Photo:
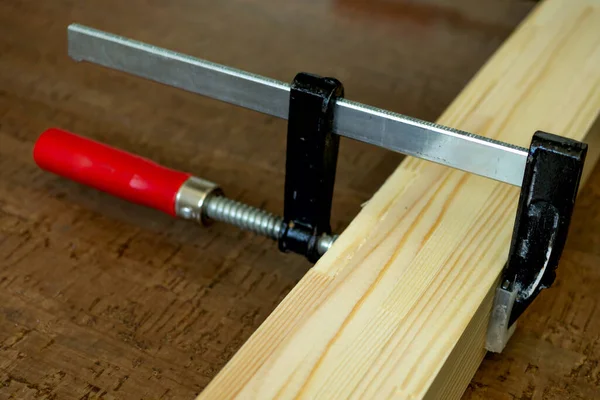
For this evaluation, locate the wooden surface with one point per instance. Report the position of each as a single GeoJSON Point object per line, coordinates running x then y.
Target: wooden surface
{"type": "Point", "coordinates": [399, 307]}
{"type": "Point", "coordinates": [101, 299]}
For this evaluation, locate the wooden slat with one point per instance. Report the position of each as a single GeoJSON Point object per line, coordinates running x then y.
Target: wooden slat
{"type": "Point", "coordinates": [399, 307]}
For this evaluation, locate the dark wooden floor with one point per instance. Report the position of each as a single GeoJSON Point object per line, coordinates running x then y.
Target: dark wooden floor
{"type": "Point", "coordinates": [102, 299]}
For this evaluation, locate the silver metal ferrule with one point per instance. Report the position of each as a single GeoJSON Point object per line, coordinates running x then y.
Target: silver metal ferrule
{"type": "Point", "coordinates": [192, 196]}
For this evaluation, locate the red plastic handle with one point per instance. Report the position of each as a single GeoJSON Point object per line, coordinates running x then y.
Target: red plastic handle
{"type": "Point", "coordinates": [111, 170]}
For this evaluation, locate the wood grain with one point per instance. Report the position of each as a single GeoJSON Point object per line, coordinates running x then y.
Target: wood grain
{"type": "Point", "coordinates": [398, 308]}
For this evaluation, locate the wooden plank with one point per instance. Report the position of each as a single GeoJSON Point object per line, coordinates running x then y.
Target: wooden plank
{"type": "Point", "coordinates": [399, 307]}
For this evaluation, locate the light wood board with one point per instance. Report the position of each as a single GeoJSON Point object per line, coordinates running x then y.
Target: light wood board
{"type": "Point", "coordinates": [398, 307]}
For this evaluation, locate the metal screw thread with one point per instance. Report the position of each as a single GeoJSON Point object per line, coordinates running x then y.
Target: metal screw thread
{"type": "Point", "coordinates": [250, 218]}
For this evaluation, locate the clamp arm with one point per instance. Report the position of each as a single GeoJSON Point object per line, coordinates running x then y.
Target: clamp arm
{"type": "Point", "coordinates": [550, 185]}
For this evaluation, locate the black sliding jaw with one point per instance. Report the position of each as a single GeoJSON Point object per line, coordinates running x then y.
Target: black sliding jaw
{"type": "Point", "coordinates": [550, 184]}
{"type": "Point", "coordinates": [311, 158]}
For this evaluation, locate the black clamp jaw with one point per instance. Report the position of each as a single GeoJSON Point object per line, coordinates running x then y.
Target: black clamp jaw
{"type": "Point", "coordinates": [311, 160]}
{"type": "Point", "coordinates": [550, 185]}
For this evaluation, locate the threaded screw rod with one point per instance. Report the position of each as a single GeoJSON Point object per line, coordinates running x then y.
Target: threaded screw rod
{"type": "Point", "coordinates": [244, 216]}
{"type": "Point", "coordinates": [203, 201]}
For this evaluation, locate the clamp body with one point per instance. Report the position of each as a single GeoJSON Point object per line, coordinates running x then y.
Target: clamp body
{"type": "Point", "coordinates": [548, 172]}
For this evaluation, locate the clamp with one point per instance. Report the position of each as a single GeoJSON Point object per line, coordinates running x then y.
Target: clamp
{"type": "Point", "coordinates": [549, 172]}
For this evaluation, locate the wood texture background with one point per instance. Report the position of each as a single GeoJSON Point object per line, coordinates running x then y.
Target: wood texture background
{"type": "Point", "coordinates": [102, 299]}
